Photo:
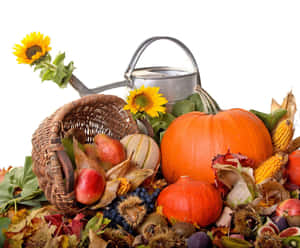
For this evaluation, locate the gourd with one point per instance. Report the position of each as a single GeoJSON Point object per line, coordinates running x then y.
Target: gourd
{"type": "Point", "coordinates": [146, 153]}
{"type": "Point", "coordinates": [194, 139]}
{"type": "Point", "coordinates": [192, 201]}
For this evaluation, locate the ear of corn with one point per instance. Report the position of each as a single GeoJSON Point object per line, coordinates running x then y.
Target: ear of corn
{"type": "Point", "coordinates": [270, 167]}
{"type": "Point", "coordinates": [282, 135]}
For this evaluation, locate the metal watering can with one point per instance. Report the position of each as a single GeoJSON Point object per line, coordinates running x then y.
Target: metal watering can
{"type": "Point", "coordinates": [175, 84]}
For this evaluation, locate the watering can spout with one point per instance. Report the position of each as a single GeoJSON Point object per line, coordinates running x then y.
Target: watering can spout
{"type": "Point", "coordinates": [174, 83]}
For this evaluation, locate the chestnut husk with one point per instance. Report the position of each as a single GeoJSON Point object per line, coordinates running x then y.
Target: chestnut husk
{"type": "Point", "coordinates": [246, 222]}
{"type": "Point", "coordinates": [132, 210]}
{"type": "Point", "coordinates": [153, 224]}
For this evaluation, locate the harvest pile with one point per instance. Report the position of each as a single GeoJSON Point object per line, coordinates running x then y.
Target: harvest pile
{"type": "Point", "coordinates": [205, 178]}
{"type": "Point", "coordinates": [226, 199]}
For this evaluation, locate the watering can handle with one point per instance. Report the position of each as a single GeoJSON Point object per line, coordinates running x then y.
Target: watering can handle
{"type": "Point", "coordinates": [83, 90]}
{"type": "Point", "coordinates": [146, 43]}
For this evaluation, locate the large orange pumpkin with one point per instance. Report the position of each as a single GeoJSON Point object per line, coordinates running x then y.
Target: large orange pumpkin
{"type": "Point", "coordinates": [192, 140]}
{"type": "Point", "coordinates": [191, 201]}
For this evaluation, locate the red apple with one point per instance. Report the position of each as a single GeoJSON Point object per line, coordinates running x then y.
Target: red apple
{"type": "Point", "coordinates": [89, 186]}
{"type": "Point", "coordinates": [109, 150]}
{"type": "Point", "coordinates": [293, 168]}
{"type": "Point", "coordinates": [290, 208]}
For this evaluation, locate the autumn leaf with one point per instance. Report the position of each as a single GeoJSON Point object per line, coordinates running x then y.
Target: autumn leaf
{"type": "Point", "coordinates": [41, 237]}
{"type": "Point", "coordinates": [64, 227]}
{"type": "Point", "coordinates": [25, 224]}
{"type": "Point", "coordinates": [63, 241]}
{"type": "Point", "coordinates": [97, 224]}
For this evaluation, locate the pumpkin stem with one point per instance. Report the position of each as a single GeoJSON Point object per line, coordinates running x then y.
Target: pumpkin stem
{"type": "Point", "coordinates": [209, 104]}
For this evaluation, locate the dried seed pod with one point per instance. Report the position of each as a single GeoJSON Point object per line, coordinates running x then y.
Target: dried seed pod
{"type": "Point", "coordinates": [132, 210]}
{"type": "Point", "coordinates": [270, 167]}
{"type": "Point", "coordinates": [282, 135]}
{"type": "Point", "coordinates": [246, 222]}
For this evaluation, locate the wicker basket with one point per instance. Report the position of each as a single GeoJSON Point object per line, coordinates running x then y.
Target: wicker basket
{"type": "Point", "coordinates": [91, 114]}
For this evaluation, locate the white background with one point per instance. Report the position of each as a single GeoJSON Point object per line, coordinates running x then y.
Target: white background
{"type": "Point", "coordinates": [247, 51]}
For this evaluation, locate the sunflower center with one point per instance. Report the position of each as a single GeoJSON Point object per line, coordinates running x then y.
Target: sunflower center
{"type": "Point", "coordinates": [142, 100]}
{"type": "Point", "coordinates": [31, 51]}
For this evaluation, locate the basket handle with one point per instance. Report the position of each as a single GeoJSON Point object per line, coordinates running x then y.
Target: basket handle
{"type": "Point", "coordinates": [67, 169]}
{"type": "Point", "coordinates": [139, 51]}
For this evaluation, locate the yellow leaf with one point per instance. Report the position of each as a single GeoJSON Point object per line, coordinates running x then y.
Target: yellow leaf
{"type": "Point", "coordinates": [65, 242]}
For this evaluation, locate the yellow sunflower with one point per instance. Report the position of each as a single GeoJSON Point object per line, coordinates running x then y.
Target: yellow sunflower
{"type": "Point", "coordinates": [34, 46]}
{"type": "Point", "coordinates": [146, 100]}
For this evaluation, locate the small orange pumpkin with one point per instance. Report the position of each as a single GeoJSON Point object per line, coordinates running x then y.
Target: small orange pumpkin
{"type": "Point", "coordinates": [293, 168]}
{"type": "Point", "coordinates": [192, 201]}
{"type": "Point", "coordinates": [194, 139]}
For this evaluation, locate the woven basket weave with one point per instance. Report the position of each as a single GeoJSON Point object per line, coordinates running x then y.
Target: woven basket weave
{"type": "Point", "coordinates": [91, 114]}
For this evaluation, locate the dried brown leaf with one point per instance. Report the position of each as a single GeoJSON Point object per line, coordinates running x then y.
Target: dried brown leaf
{"type": "Point", "coordinates": [41, 237]}
{"type": "Point", "coordinates": [119, 170]}
{"type": "Point", "coordinates": [109, 195]}
{"type": "Point", "coordinates": [63, 241]}
{"type": "Point", "coordinates": [96, 241]}
{"type": "Point", "coordinates": [137, 176]}
{"type": "Point", "coordinates": [274, 105]}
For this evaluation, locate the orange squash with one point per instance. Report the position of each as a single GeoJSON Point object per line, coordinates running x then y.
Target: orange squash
{"type": "Point", "coordinates": [194, 139]}
{"type": "Point", "coordinates": [191, 201]}
{"type": "Point", "coordinates": [293, 168]}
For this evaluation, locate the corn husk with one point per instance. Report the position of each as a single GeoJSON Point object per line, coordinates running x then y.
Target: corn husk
{"type": "Point", "coordinates": [289, 103]}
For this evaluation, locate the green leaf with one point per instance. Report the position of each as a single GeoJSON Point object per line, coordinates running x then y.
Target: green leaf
{"type": "Point", "coordinates": [270, 120]}
{"type": "Point", "coordinates": [4, 223]}
{"type": "Point", "coordinates": [6, 189]}
{"type": "Point", "coordinates": [69, 71]}
{"type": "Point", "coordinates": [161, 135]}
{"type": "Point", "coordinates": [39, 66]}
{"type": "Point", "coordinates": [98, 223]}
{"type": "Point", "coordinates": [59, 75]}
{"type": "Point", "coordinates": [59, 59]}
{"type": "Point", "coordinates": [48, 75]}
{"type": "Point", "coordinates": [24, 179]}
